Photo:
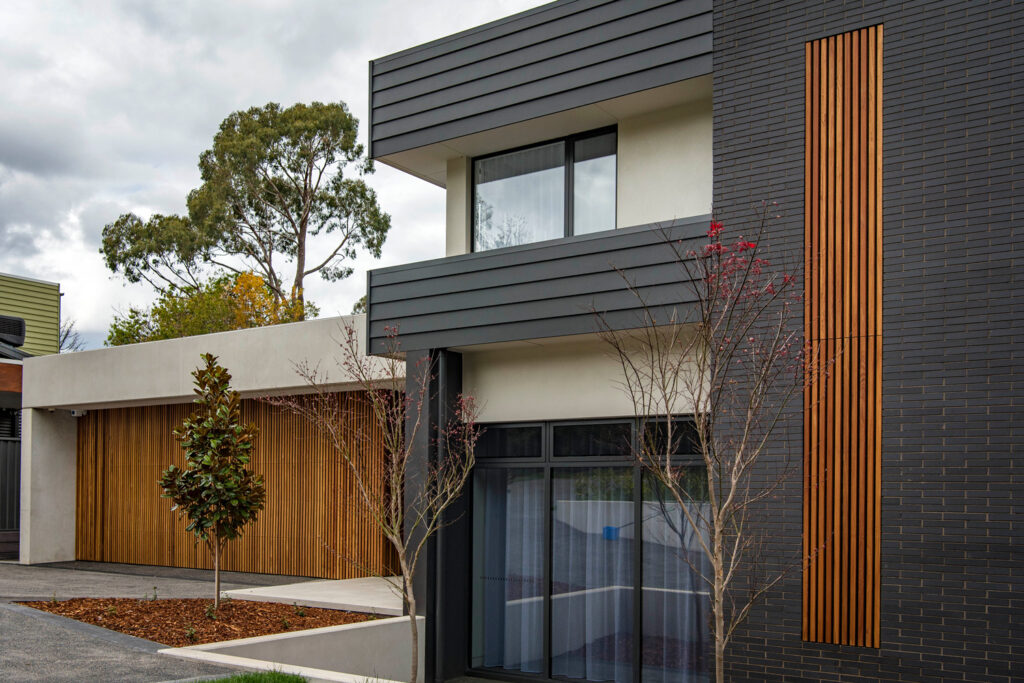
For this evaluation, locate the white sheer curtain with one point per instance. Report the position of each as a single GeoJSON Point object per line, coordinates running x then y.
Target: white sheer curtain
{"type": "Point", "coordinates": [675, 599]}
{"type": "Point", "coordinates": [594, 533]}
{"type": "Point", "coordinates": [509, 520]}
{"type": "Point", "coordinates": [519, 197]}
{"type": "Point", "coordinates": [592, 574]}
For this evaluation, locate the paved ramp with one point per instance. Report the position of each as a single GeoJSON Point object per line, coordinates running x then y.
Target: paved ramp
{"type": "Point", "coordinates": [373, 595]}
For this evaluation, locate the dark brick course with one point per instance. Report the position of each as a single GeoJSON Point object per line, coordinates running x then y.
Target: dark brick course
{"type": "Point", "coordinates": [953, 322]}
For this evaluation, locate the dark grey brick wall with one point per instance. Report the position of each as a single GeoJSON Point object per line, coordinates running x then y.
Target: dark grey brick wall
{"type": "Point", "coordinates": [953, 322]}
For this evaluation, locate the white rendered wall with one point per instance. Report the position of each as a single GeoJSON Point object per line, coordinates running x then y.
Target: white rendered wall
{"type": "Point", "coordinates": [48, 473]}
{"type": "Point", "coordinates": [664, 165]}
{"type": "Point", "coordinates": [457, 207]}
{"type": "Point", "coordinates": [558, 379]}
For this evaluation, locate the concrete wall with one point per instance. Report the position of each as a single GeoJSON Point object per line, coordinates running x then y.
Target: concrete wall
{"type": "Point", "coordinates": [260, 361]}
{"type": "Point", "coordinates": [552, 379]}
{"type": "Point", "coordinates": [375, 649]}
{"type": "Point", "coordinates": [664, 165]}
{"type": "Point", "coordinates": [48, 472]}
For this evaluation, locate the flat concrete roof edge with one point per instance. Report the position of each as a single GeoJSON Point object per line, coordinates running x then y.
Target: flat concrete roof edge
{"type": "Point", "coordinates": [262, 361]}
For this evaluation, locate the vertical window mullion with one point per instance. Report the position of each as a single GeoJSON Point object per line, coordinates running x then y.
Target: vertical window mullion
{"type": "Point", "coordinates": [548, 504]}
{"type": "Point", "coordinates": [569, 163]}
{"type": "Point", "coordinates": [638, 593]}
{"type": "Point", "coordinates": [472, 205]}
{"type": "Point", "coordinates": [638, 565]}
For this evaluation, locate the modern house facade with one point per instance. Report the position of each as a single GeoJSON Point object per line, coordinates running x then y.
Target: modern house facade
{"type": "Point", "coordinates": [98, 434]}
{"type": "Point", "coordinates": [571, 140]}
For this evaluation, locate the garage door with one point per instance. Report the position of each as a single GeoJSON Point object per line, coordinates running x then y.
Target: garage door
{"type": "Point", "coordinates": [313, 523]}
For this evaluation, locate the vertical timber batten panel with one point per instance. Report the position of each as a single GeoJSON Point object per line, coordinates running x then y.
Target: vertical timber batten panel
{"type": "Point", "coordinates": [843, 325]}
{"type": "Point", "coordinates": [313, 523]}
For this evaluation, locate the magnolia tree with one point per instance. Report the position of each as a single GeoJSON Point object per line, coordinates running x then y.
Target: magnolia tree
{"type": "Point", "coordinates": [405, 500]}
{"type": "Point", "coordinates": [736, 362]}
{"type": "Point", "coordinates": [215, 492]}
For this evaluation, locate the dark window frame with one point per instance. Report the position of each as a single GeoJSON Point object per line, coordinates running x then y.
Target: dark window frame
{"type": "Point", "coordinates": [548, 463]}
{"type": "Point", "coordinates": [489, 460]}
{"type": "Point", "coordinates": [568, 189]}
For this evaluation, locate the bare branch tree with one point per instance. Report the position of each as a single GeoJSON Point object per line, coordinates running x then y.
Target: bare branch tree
{"type": "Point", "coordinates": [407, 503]}
{"type": "Point", "coordinates": [69, 338]}
{"type": "Point", "coordinates": [736, 359]}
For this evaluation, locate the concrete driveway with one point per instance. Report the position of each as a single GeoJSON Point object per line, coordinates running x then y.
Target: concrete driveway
{"type": "Point", "coordinates": [38, 646]}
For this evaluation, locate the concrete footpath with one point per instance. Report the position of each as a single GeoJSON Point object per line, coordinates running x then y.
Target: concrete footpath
{"type": "Point", "coordinates": [38, 646]}
{"type": "Point", "coordinates": [101, 580]}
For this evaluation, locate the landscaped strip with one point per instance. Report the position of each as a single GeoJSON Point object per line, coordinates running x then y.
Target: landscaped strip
{"type": "Point", "coordinates": [193, 621]}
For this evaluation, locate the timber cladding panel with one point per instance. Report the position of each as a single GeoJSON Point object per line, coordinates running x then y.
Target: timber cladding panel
{"type": "Point", "coordinates": [843, 323]}
{"type": "Point", "coordinates": [313, 523]}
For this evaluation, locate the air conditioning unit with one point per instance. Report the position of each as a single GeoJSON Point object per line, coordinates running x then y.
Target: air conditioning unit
{"type": "Point", "coordinates": [12, 330]}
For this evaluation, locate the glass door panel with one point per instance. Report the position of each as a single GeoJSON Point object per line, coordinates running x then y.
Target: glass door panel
{"type": "Point", "coordinates": [676, 608]}
{"type": "Point", "coordinates": [592, 573]}
{"type": "Point", "coordinates": [508, 569]}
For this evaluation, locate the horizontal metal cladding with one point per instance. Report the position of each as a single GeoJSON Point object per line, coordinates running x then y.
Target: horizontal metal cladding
{"type": "Point", "coordinates": [547, 289]}
{"type": "Point", "coordinates": [546, 60]}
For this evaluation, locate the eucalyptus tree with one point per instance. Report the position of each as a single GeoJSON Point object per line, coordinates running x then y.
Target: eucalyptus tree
{"type": "Point", "coordinates": [283, 195]}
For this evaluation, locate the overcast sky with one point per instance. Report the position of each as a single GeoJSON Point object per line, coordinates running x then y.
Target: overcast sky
{"type": "Point", "coordinates": [106, 106]}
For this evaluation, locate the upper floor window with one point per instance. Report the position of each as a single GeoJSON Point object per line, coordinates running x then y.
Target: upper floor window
{"type": "Point", "coordinates": [554, 189]}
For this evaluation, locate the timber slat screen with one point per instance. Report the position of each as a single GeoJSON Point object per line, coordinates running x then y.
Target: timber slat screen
{"type": "Point", "coordinates": [843, 323]}
{"type": "Point", "coordinates": [313, 523]}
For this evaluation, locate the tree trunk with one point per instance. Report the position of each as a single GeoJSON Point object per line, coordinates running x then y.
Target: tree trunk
{"type": "Point", "coordinates": [719, 647]}
{"type": "Point", "coordinates": [719, 605]}
{"type": "Point", "coordinates": [216, 574]}
{"type": "Point", "coordinates": [300, 270]}
{"type": "Point", "coordinates": [414, 631]}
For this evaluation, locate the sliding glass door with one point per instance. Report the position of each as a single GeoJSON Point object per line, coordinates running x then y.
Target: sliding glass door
{"type": "Point", "coordinates": [592, 573]}
{"type": "Point", "coordinates": [508, 565]}
{"type": "Point", "coordinates": [582, 569]}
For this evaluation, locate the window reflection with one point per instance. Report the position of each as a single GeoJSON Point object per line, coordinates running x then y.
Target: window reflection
{"type": "Point", "coordinates": [519, 197]}
{"type": "Point", "coordinates": [579, 544]}
{"type": "Point", "coordinates": [592, 574]}
{"type": "Point", "coordinates": [508, 569]}
{"type": "Point", "coordinates": [594, 184]}
{"type": "Point", "coordinates": [675, 608]}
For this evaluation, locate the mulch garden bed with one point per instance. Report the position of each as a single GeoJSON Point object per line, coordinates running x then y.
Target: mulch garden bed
{"type": "Point", "coordinates": [182, 622]}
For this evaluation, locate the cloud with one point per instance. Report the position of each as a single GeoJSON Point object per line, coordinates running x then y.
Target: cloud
{"type": "Point", "coordinates": [106, 107]}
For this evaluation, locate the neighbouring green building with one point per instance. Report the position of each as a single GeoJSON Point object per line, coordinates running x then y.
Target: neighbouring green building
{"type": "Point", "coordinates": [38, 302]}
